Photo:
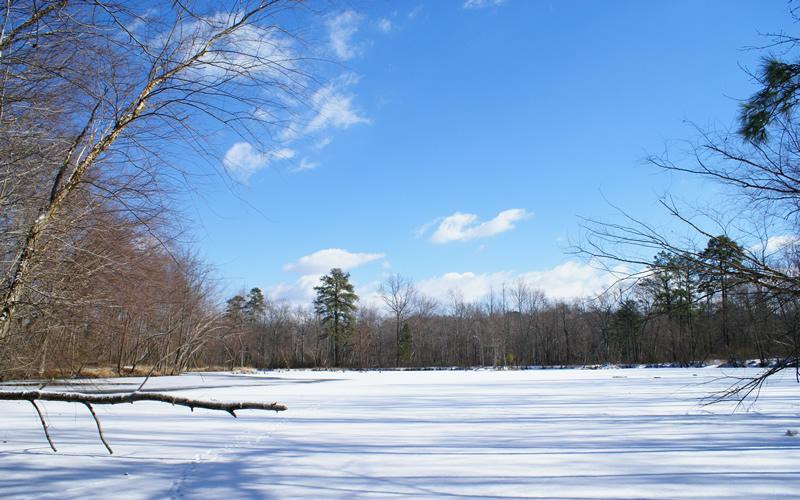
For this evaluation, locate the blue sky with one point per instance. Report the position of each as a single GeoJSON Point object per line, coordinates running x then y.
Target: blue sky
{"type": "Point", "coordinates": [459, 143]}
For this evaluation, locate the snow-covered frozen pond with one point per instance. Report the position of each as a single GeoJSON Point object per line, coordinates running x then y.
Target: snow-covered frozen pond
{"type": "Point", "coordinates": [632, 433]}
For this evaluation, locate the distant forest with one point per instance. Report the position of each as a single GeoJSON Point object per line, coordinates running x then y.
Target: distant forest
{"type": "Point", "coordinates": [161, 314]}
{"type": "Point", "coordinates": [675, 313]}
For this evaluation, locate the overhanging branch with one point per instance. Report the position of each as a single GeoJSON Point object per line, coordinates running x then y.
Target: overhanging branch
{"type": "Point", "coordinates": [113, 399]}
{"type": "Point", "coordinates": [103, 399]}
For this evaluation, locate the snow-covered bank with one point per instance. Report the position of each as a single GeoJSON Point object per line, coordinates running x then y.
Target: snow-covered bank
{"type": "Point", "coordinates": [632, 433]}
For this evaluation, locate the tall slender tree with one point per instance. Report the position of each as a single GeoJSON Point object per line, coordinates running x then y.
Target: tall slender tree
{"type": "Point", "coordinates": [397, 293]}
{"type": "Point", "coordinates": [723, 258]}
{"type": "Point", "coordinates": [336, 306]}
{"type": "Point", "coordinates": [256, 305]}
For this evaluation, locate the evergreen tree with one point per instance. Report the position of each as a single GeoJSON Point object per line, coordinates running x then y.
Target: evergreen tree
{"type": "Point", "coordinates": [776, 99]}
{"type": "Point", "coordinates": [256, 305]}
{"type": "Point", "coordinates": [673, 286]}
{"type": "Point", "coordinates": [234, 308]}
{"type": "Point", "coordinates": [723, 261]}
{"type": "Point", "coordinates": [625, 325]}
{"type": "Point", "coordinates": [336, 305]}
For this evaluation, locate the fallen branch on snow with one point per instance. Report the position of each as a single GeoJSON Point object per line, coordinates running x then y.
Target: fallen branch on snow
{"type": "Point", "coordinates": [94, 399]}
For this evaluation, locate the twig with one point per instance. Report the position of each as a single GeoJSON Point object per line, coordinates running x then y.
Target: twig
{"type": "Point", "coordinates": [44, 425]}
{"type": "Point", "coordinates": [99, 428]}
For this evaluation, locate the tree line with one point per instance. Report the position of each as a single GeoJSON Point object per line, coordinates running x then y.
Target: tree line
{"type": "Point", "coordinates": [170, 321]}
{"type": "Point", "coordinates": [677, 312]}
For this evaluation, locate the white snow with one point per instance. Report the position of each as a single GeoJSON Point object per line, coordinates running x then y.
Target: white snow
{"type": "Point", "coordinates": [626, 433]}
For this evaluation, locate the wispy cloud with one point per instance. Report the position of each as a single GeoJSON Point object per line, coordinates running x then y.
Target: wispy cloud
{"type": "Point", "coordinates": [322, 143]}
{"type": "Point", "coordinates": [570, 280]}
{"type": "Point", "coordinates": [299, 292]}
{"type": "Point", "coordinates": [384, 25]}
{"type": "Point", "coordinates": [242, 160]}
{"type": "Point", "coordinates": [264, 51]}
{"type": "Point", "coordinates": [327, 107]}
{"type": "Point", "coordinates": [282, 154]}
{"type": "Point", "coordinates": [775, 244]}
{"type": "Point", "coordinates": [304, 165]}
{"type": "Point", "coordinates": [464, 227]}
{"type": "Point", "coordinates": [323, 261]}
{"type": "Point", "coordinates": [334, 109]}
{"type": "Point", "coordinates": [422, 230]}
{"type": "Point", "coordinates": [482, 4]}
{"type": "Point", "coordinates": [341, 29]}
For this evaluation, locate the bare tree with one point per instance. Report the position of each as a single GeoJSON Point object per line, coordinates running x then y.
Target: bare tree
{"type": "Point", "coordinates": [99, 96]}
{"type": "Point", "coordinates": [397, 293]}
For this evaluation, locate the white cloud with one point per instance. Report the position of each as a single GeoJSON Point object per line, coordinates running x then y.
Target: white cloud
{"type": "Point", "coordinates": [384, 25]}
{"type": "Point", "coordinates": [242, 159]}
{"type": "Point", "coordinates": [415, 12]}
{"type": "Point", "coordinates": [341, 29]}
{"type": "Point", "coordinates": [322, 143]}
{"type": "Point", "coordinates": [369, 295]}
{"type": "Point", "coordinates": [573, 279]}
{"type": "Point", "coordinates": [570, 280]}
{"type": "Point", "coordinates": [420, 231]}
{"type": "Point", "coordinates": [282, 154]}
{"type": "Point", "coordinates": [301, 292]}
{"type": "Point", "coordinates": [777, 243]}
{"type": "Point", "coordinates": [482, 4]}
{"type": "Point", "coordinates": [330, 107]}
{"type": "Point", "coordinates": [253, 50]}
{"type": "Point", "coordinates": [334, 108]}
{"type": "Point", "coordinates": [313, 266]}
{"type": "Point", "coordinates": [323, 261]}
{"type": "Point", "coordinates": [567, 281]}
{"type": "Point", "coordinates": [465, 227]}
{"type": "Point", "coordinates": [305, 165]}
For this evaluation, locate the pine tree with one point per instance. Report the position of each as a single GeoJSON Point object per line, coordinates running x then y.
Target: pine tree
{"type": "Point", "coordinates": [723, 258]}
{"type": "Point", "coordinates": [256, 305]}
{"type": "Point", "coordinates": [674, 286]}
{"type": "Point", "coordinates": [626, 325]}
{"type": "Point", "coordinates": [336, 306]}
{"type": "Point", "coordinates": [234, 308]}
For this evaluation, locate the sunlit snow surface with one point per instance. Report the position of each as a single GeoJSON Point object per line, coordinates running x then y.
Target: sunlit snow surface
{"type": "Point", "coordinates": [617, 433]}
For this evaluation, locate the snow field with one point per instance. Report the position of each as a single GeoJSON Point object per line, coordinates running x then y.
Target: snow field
{"type": "Point", "coordinates": [619, 433]}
